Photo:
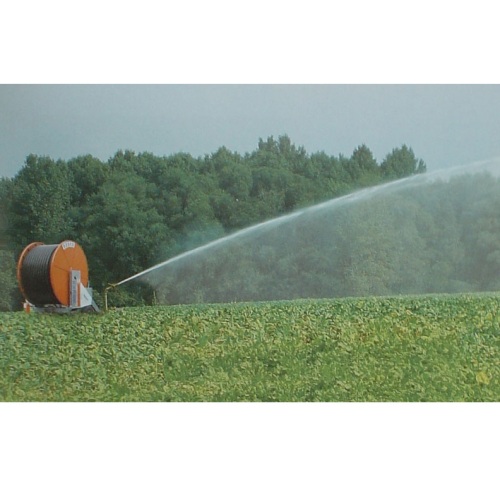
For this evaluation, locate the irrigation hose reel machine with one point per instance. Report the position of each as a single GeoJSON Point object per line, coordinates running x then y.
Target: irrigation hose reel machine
{"type": "Point", "coordinates": [55, 278]}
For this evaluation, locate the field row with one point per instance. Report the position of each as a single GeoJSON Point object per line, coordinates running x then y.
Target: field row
{"type": "Point", "coordinates": [431, 348]}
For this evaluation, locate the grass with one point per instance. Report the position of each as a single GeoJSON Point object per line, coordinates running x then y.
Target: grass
{"type": "Point", "coordinates": [424, 348]}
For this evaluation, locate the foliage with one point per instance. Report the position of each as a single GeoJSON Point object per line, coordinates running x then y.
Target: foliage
{"type": "Point", "coordinates": [427, 348]}
{"type": "Point", "coordinates": [136, 209]}
{"type": "Point", "coordinates": [401, 162]}
{"type": "Point", "coordinates": [129, 227]}
{"type": "Point", "coordinates": [39, 203]}
{"type": "Point", "coordinates": [5, 185]}
{"type": "Point", "coordinates": [9, 294]}
{"type": "Point", "coordinates": [406, 238]}
{"type": "Point", "coordinates": [8, 285]}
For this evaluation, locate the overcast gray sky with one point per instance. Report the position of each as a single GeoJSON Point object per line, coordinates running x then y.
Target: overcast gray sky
{"type": "Point", "coordinates": [444, 124]}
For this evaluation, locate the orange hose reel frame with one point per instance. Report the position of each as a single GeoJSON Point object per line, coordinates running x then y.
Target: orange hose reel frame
{"type": "Point", "coordinates": [66, 257]}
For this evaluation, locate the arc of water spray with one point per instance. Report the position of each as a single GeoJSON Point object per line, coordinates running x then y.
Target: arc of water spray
{"type": "Point", "coordinates": [357, 195]}
{"type": "Point", "coordinates": [211, 244]}
{"type": "Point", "coordinates": [270, 223]}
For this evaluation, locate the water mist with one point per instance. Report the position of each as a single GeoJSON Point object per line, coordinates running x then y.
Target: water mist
{"type": "Point", "coordinates": [435, 232]}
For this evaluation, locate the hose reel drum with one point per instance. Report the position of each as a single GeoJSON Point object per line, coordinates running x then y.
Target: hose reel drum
{"type": "Point", "coordinates": [54, 278]}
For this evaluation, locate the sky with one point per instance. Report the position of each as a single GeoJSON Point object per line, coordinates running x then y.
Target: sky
{"type": "Point", "coordinates": [446, 125]}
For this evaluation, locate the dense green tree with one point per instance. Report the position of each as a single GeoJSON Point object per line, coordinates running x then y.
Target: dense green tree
{"type": "Point", "coordinates": [401, 162]}
{"type": "Point", "coordinates": [39, 202]}
{"type": "Point", "coordinates": [366, 249]}
{"type": "Point", "coordinates": [363, 167]}
{"type": "Point", "coordinates": [5, 185]}
{"type": "Point", "coordinates": [122, 230]}
{"type": "Point", "coordinates": [86, 176]}
{"type": "Point", "coordinates": [184, 198]}
{"type": "Point", "coordinates": [233, 175]}
{"type": "Point", "coordinates": [136, 210]}
{"type": "Point", "coordinates": [481, 235]}
{"type": "Point", "coordinates": [8, 284]}
{"type": "Point", "coordinates": [331, 173]}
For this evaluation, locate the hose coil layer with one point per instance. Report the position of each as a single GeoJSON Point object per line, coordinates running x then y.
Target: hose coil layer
{"type": "Point", "coordinates": [35, 275]}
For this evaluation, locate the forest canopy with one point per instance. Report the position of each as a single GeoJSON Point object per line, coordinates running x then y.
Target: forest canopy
{"type": "Point", "coordinates": [136, 210]}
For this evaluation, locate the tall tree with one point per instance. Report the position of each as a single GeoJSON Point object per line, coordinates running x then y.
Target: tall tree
{"type": "Point", "coordinates": [9, 294]}
{"type": "Point", "coordinates": [401, 162]}
{"type": "Point", "coordinates": [39, 202]}
{"type": "Point", "coordinates": [363, 167]}
{"type": "Point", "coordinates": [122, 229]}
{"type": "Point", "coordinates": [86, 174]}
{"type": "Point", "coordinates": [138, 209]}
{"type": "Point", "coordinates": [5, 185]}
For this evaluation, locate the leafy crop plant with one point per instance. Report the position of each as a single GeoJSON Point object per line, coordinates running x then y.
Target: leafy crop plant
{"type": "Point", "coordinates": [421, 348]}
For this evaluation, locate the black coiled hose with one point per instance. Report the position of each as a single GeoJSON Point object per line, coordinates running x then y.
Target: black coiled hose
{"type": "Point", "coordinates": [35, 275]}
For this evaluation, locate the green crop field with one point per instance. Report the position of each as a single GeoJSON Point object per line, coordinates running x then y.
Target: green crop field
{"type": "Point", "coordinates": [427, 348]}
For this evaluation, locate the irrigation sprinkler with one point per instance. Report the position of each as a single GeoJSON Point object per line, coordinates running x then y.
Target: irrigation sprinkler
{"type": "Point", "coordinates": [106, 290]}
{"type": "Point", "coordinates": [54, 278]}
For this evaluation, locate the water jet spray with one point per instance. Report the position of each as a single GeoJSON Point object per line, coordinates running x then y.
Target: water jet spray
{"type": "Point", "coordinates": [348, 247]}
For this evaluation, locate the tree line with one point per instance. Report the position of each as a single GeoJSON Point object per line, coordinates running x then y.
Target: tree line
{"type": "Point", "coordinates": [440, 236]}
{"type": "Point", "coordinates": [136, 210]}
